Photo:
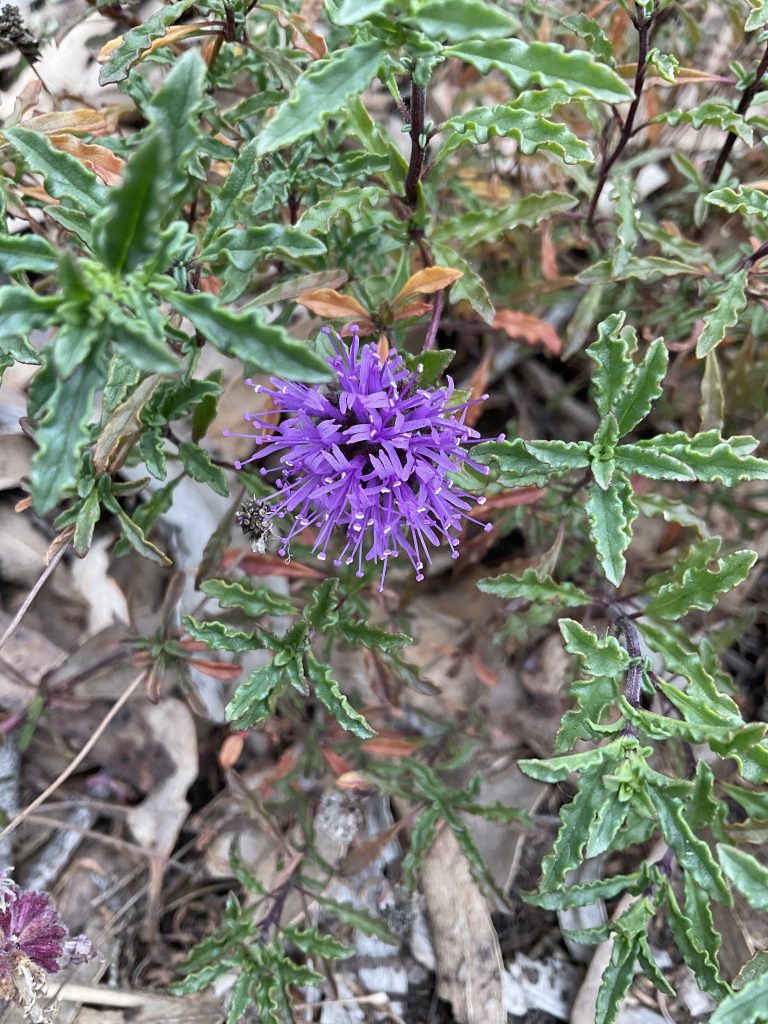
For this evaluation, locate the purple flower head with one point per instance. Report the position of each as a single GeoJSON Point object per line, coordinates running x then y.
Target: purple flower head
{"type": "Point", "coordinates": [371, 454]}
{"type": "Point", "coordinates": [34, 942]}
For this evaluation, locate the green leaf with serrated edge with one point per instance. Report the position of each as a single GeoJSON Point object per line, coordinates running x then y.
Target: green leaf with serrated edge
{"type": "Point", "coordinates": [578, 820]}
{"type": "Point", "coordinates": [134, 339]}
{"type": "Point", "coordinates": [22, 310]}
{"type": "Point", "coordinates": [133, 533]}
{"type": "Point", "coordinates": [531, 131]}
{"type": "Point", "coordinates": [636, 402]}
{"type": "Point", "coordinates": [197, 463]}
{"type": "Point", "coordinates": [732, 301]}
{"type": "Point", "coordinates": [253, 601]}
{"type": "Point", "coordinates": [137, 40]}
{"type": "Point", "coordinates": [309, 940]}
{"type": "Point", "coordinates": [174, 110]}
{"type": "Point", "coordinates": [587, 893]}
{"type": "Point", "coordinates": [545, 64]}
{"type": "Point", "coordinates": [753, 968]}
{"type": "Point", "coordinates": [628, 215]}
{"type": "Point", "coordinates": [251, 702]}
{"type": "Point", "coordinates": [501, 814]}
{"type": "Point", "coordinates": [241, 998]}
{"type": "Point", "coordinates": [319, 93]}
{"type": "Point", "coordinates": [695, 948]}
{"type": "Point", "coordinates": [711, 112]}
{"type": "Point", "coordinates": [747, 873]}
{"type": "Point", "coordinates": [350, 203]}
{"type": "Point", "coordinates": [712, 457]}
{"type": "Point", "coordinates": [470, 286]}
{"type": "Point", "coordinates": [750, 201]}
{"type": "Point", "coordinates": [457, 20]}
{"type": "Point", "coordinates": [87, 517]}
{"type": "Point", "coordinates": [652, 464]}
{"type": "Point", "coordinates": [126, 232]}
{"type": "Point", "coordinates": [422, 837]}
{"type": "Point", "coordinates": [514, 460]}
{"type": "Point", "coordinates": [349, 914]}
{"type": "Point", "coordinates": [651, 969]}
{"type": "Point", "coordinates": [532, 587]}
{"type": "Point", "coordinates": [612, 352]}
{"type": "Point", "coordinates": [754, 804]}
{"type": "Point", "coordinates": [351, 12]}
{"type": "Point", "coordinates": [557, 769]}
{"type": "Point", "coordinates": [694, 854]}
{"type": "Point", "coordinates": [588, 29]}
{"type": "Point", "coordinates": [220, 637]}
{"type": "Point", "coordinates": [62, 435]}
{"type": "Point", "coordinates": [29, 253]}
{"type": "Point", "coordinates": [599, 655]}
{"type": "Point", "coordinates": [602, 451]}
{"type": "Point", "coordinates": [247, 247]}
{"type": "Point", "coordinates": [594, 697]}
{"type": "Point", "coordinates": [244, 335]}
{"type": "Point", "coordinates": [655, 726]}
{"type": "Point", "coordinates": [327, 690]}
{"type": "Point", "coordinates": [322, 611]}
{"type": "Point", "coordinates": [560, 456]}
{"type": "Point", "coordinates": [224, 203]}
{"type": "Point", "coordinates": [645, 268]}
{"type": "Point", "coordinates": [361, 634]}
{"type": "Point", "coordinates": [611, 514]}
{"type": "Point", "coordinates": [747, 1006]}
{"type": "Point", "coordinates": [617, 978]}
{"type": "Point", "coordinates": [606, 826]}
{"type": "Point", "coordinates": [471, 229]}
{"type": "Point", "coordinates": [408, 674]}
{"type": "Point", "coordinates": [699, 587]}
{"type": "Point", "coordinates": [758, 15]}
{"type": "Point", "coordinates": [65, 178]}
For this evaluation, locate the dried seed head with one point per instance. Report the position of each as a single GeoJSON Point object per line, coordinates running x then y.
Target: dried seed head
{"type": "Point", "coordinates": [255, 520]}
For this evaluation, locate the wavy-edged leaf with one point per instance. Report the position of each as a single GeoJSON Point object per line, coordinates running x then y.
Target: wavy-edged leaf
{"type": "Point", "coordinates": [530, 130]}
{"type": "Point", "coordinates": [731, 302]}
{"type": "Point", "coordinates": [476, 228]}
{"type": "Point", "coordinates": [710, 112]}
{"type": "Point", "coordinates": [556, 769]}
{"type": "Point", "coordinates": [245, 336]}
{"type": "Point", "coordinates": [352, 12]}
{"type": "Point", "coordinates": [545, 64]}
{"type": "Point", "coordinates": [220, 637]}
{"type": "Point", "coordinates": [328, 691]}
{"type": "Point", "coordinates": [457, 20]}
{"type": "Point", "coordinates": [364, 635]}
{"type": "Point", "coordinates": [747, 1006]}
{"type": "Point", "coordinates": [599, 655]}
{"type": "Point", "coordinates": [253, 601]}
{"type": "Point", "coordinates": [711, 456]}
{"type": "Point", "coordinates": [63, 433]}
{"type": "Point", "coordinates": [751, 201]}
{"type": "Point", "coordinates": [616, 980]}
{"type": "Point", "coordinates": [747, 873]}
{"type": "Point", "coordinates": [64, 177]}
{"type": "Point", "coordinates": [578, 820]}
{"type": "Point", "coordinates": [612, 352]}
{"type": "Point", "coordinates": [198, 464]}
{"type": "Point", "coordinates": [758, 15]}
{"type": "Point", "coordinates": [587, 893]}
{"type": "Point", "coordinates": [29, 253]}
{"type": "Point", "coordinates": [693, 853]}
{"type": "Point", "coordinates": [697, 947]}
{"type": "Point", "coordinates": [246, 247]}
{"type": "Point", "coordinates": [645, 268]}
{"type": "Point", "coordinates": [695, 585]}
{"type": "Point", "coordinates": [252, 700]}
{"type": "Point", "coordinates": [611, 514]}
{"type": "Point", "coordinates": [635, 403]}
{"type": "Point", "coordinates": [534, 588]}
{"type": "Point", "coordinates": [135, 42]}
{"type": "Point", "coordinates": [319, 93]}
{"type": "Point", "coordinates": [126, 232]}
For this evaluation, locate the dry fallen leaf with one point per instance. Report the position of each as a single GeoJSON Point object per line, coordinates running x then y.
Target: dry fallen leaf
{"type": "Point", "coordinates": [529, 329]}
{"type": "Point", "coordinates": [469, 965]}
{"type": "Point", "coordinates": [102, 161]}
{"type": "Point", "coordinates": [172, 35]}
{"type": "Point", "coordinates": [329, 303]}
{"type": "Point", "coordinates": [427, 281]}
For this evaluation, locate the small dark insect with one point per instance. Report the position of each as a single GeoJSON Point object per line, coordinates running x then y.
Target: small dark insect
{"type": "Point", "coordinates": [255, 520]}
{"type": "Point", "coordinates": [14, 35]}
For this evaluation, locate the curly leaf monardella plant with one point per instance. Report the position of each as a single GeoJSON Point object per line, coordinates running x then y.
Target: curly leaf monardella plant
{"type": "Point", "coordinates": [371, 453]}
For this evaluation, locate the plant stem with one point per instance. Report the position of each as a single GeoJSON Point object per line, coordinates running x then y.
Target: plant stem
{"type": "Point", "coordinates": [643, 25]}
{"type": "Point", "coordinates": [634, 687]}
{"type": "Point", "coordinates": [746, 98]}
{"type": "Point", "coordinates": [418, 152]}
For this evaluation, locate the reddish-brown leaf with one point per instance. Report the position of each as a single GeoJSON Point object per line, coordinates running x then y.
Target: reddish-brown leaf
{"type": "Point", "coordinates": [427, 281]}
{"type": "Point", "coordinates": [528, 328]}
{"type": "Point", "coordinates": [332, 305]}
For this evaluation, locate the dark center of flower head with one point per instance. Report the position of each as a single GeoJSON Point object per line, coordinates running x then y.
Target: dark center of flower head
{"type": "Point", "coordinates": [371, 453]}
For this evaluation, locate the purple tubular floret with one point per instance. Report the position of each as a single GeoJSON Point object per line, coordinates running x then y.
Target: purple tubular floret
{"type": "Point", "coordinates": [368, 455]}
